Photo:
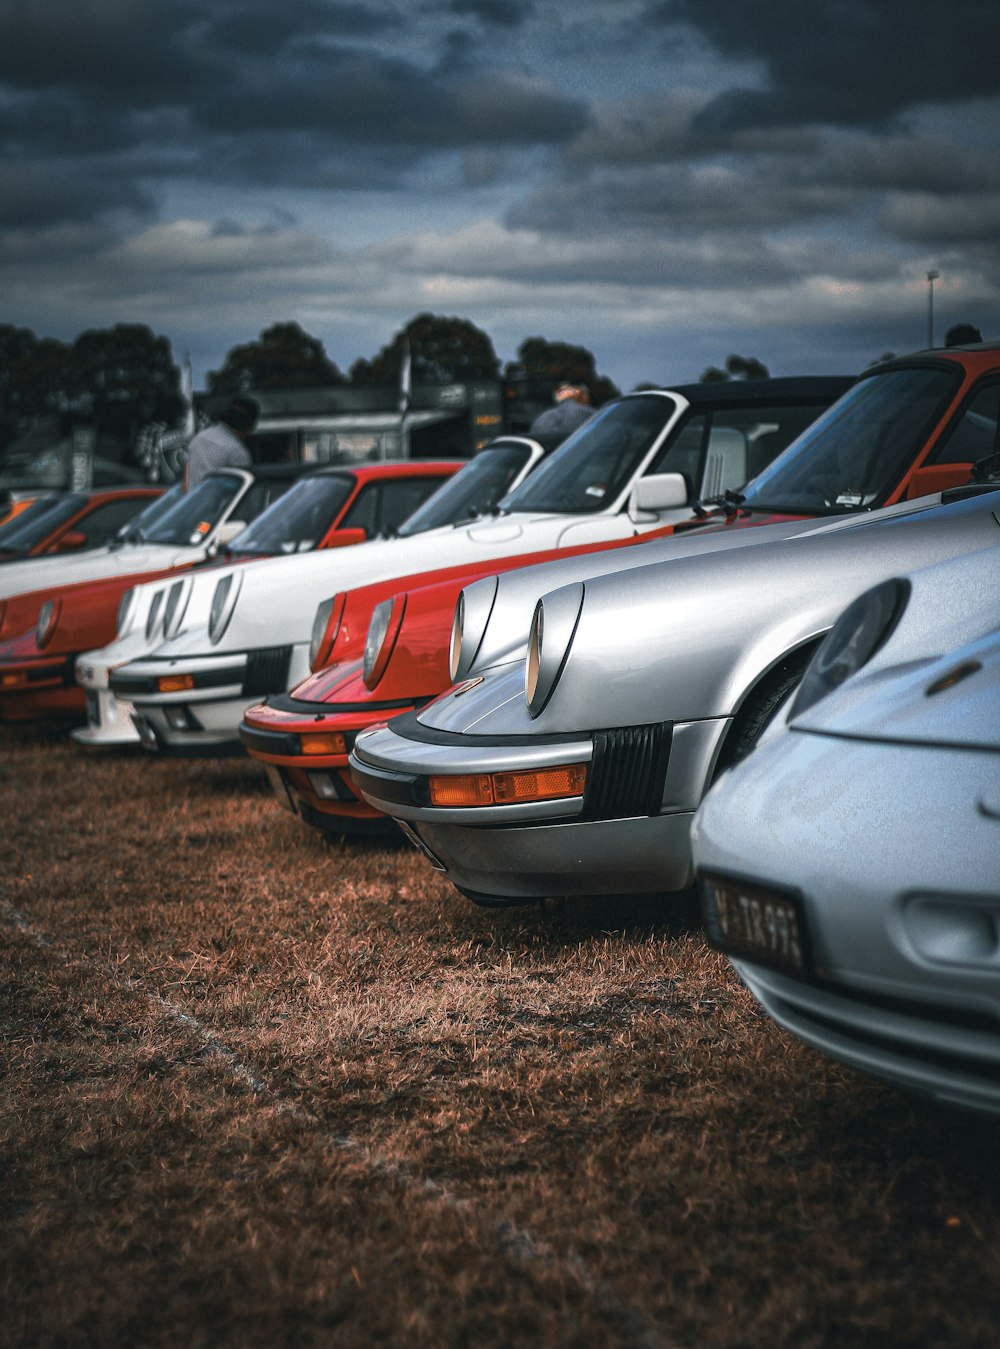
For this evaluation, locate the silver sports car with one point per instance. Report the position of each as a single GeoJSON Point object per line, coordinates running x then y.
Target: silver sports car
{"type": "Point", "coordinates": [851, 866]}
{"type": "Point", "coordinates": [577, 768]}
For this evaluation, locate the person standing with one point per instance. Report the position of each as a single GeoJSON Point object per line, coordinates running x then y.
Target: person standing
{"type": "Point", "coordinates": [224, 444]}
{"type": "Point", "coordinates": [551, 427]}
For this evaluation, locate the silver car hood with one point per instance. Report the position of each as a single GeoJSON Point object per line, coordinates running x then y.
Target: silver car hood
{"type": "Point", "coordinates": [683, 640]}
{"type": "Point", "coordinates": [499, 608]}
{"type": "Point", "coordinates": [951, 624]}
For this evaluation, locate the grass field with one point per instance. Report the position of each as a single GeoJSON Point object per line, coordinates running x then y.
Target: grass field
{"type": "Point", "coordinates": [261, 1090]}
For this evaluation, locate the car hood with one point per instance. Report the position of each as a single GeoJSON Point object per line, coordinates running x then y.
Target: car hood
{"type": "Point", "coordinates": [278, 597]}
{"type": "Point", "coordinates": [683, 640]}
{"type": "Point", "coordinates": [45, 573]}
{"type": "Point", "coordinates": [145, 632]}
{"type": "Point", "coordinates": [935, 680]}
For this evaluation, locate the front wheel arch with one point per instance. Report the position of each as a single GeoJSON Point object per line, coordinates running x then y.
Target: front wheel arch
{"type": "Point", "coordinates": [761, 704]}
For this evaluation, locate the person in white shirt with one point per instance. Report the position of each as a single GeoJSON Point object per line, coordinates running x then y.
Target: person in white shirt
{"type": "Point", "coordinates": [222, 445]}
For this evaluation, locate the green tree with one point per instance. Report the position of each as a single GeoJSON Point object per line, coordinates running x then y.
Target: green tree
{"type": "Point", "coordinates": [124, 377]}
{"type": "Point", "coordinates": [561, 362]}
{"type": "Point", "coordinates": [442, 351]}
{"type": "Point", "coordinates": [737, 367]}
{"type": "Point", "coordinates": [284, 356]}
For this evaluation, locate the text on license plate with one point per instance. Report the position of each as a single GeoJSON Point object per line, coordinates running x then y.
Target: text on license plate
{"type": "Point", "coordinates": [756, 924]}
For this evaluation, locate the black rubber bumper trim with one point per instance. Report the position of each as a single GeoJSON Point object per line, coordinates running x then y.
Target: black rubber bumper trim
{"type": "Point", "coordinates": [284, 702]}
{"type": "Point", "coordinates": [401, 789]}
{"type": "Point", "coordinates": [130, 685]}
{"type": "Point", "coordinates": [411, 728]}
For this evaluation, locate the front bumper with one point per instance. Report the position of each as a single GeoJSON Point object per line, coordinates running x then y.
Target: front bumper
{"type": "Point", "coordinates": [40, 687]}
{"type": "Point", "coordinates": [204, 715]}
{"type": "Point", "coordinates": [109, 718]}
{"type": "Point", "coordinates": [627, 833]}
{"type": "Point", "coordinates": [317, 787]}
{"type": "Point", "coordinates": [894, 851]}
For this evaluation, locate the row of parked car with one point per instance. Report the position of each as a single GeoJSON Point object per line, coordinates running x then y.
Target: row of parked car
{"type": "Point", "coordinates": [745, 633]}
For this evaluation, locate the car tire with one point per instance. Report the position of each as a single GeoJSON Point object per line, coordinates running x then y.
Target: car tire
{"type": "Point", "coordinates": [759, 709]}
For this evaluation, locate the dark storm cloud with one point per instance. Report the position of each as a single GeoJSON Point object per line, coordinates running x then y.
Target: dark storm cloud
{"type": "Point", "coordinates": [264, 28]}
{"type": "Point", "coordinates": [845, 62]}
{"type": "Point", "coordinates": [500, 13]}
{"type": "Point", "coordinates": [35, 196]}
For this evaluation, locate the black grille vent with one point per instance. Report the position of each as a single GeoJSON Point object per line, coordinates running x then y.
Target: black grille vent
{"type": "Point", "coordinates": [627, 772]}
{"type": "Point", "coordinates": [267, 671]}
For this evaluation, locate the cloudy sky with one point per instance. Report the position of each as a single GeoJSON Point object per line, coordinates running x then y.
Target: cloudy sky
{"type": "Point", "coordinates": [663, 181]}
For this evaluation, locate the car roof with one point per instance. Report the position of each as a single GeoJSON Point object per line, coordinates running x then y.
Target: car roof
{"type": "Point", "coordinates": [715, 393]}
{"type": "Point", "coordinates": [390, 468]}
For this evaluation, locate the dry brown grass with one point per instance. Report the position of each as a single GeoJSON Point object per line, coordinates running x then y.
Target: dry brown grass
{"type": "Point", "coordinates": [258, 1090]}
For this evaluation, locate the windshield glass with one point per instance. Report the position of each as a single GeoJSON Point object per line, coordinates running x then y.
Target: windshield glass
{"type": "Point", "coordinates": [593, 467]}
{"type": "Point", "coordinates": [856, 453]}
{"type": "Point", "coordinates": [36, 522]}
{"type": "Point", "coordinates": [193, 515]}
{"type": "Point", "coordinates": [297, 521]}
{"type": "Point", "coordinates": [474, 490]}
{"type": "Point", "coordinates": [134, 530]}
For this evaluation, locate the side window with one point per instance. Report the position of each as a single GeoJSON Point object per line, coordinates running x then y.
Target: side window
{"type": "Point", "coordinates": [682, 453]}
{"type": "Point", "coordinates": [402, 497]}
{"type": "Point", "coordinates": [363, 514]}
{"type": "Point", "coordinates": [104, 522]}
{"type": "Point", "coordinates": [257, 499]}
{"type": "Point", "coordinates": [974, 435]}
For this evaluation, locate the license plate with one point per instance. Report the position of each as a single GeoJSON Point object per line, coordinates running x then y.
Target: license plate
{"type": "Point", "coordinates": [753, 923]}
{"type": "Point", "coordinates": [280, 788]}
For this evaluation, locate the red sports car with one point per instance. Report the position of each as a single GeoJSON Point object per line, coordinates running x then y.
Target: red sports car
{"type": "Point", "coordinates": [44, 631]}
{"type": "Point", "coordinates": [908, 428]}
{"type": "Point", "coordinates": [66, 522]}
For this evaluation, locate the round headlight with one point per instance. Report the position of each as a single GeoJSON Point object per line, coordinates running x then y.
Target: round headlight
{"type": "Point", "coordinates": [455, 642]}
{"type": "Point", "coordinates": [48, 615]}
{"type": "Point", "coordinates": [126, 613]}
{"type": "Point", "coordinates": [472, 616]}
{"type": "Point", "coordinates": [223, 604]}
{"type": "Point", "coordinates": [852, 641]}
{"type": "Point", "coordinates": [324, 631]}
{"type": "Point", "coordinates": [553, 626]}
{"type": "Point", "coordinates": [383, 630]}
{"type": "Point", "coordinates": [153, 617]}
{"type": "Point", "coordinates": [173, 610]}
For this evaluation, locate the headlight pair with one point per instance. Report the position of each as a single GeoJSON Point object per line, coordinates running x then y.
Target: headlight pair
{"type": "Point", "coordinates": [863, 627]}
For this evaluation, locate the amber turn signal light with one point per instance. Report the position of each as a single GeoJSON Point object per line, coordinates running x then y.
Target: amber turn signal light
{"type": "Point", "coordinates": [506, 789]}
{"type": "Point", "coordinates": [322, 742]}
{"type": "Point", "coordinates": [175, 683]}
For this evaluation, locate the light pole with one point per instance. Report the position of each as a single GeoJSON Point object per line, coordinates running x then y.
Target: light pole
{"type": "Point", "coordinates": [932, 276]}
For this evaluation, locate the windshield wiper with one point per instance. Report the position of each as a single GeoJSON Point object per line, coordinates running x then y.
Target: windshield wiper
{"type": "Point", "coordinates": [729, 501]}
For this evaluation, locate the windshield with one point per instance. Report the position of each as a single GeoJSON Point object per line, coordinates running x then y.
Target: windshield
{"type": "Point", "coordinates": [297, 521]}
{"type": "Point", "coordinates": [36, 522]}
{"type": "Point", "coordinates": [856, 453]}
{"type": "Point", "coordinates": [134, 530]}
{"type": "Point", "coordinates": [591, 469]}
{"type": "Point", "coordinates": [474, 490]}
{"type": "Point", "coordinates": [190, 516]}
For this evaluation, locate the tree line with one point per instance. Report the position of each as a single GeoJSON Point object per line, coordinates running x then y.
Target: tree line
{"type": "Point", "coordinates": [123, 378]}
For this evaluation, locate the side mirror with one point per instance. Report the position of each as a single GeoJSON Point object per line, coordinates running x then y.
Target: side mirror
{"type": "Point", "coordinates": [71, 540]}
{"type": "Point", "coordinates": [659, 492]}
{"type": "Point", "coordinates": [343, 538]}
{"type": "Point", "coordinates": [937, 478]}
